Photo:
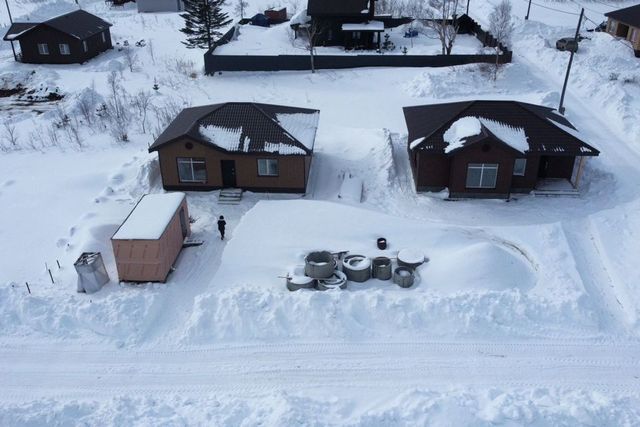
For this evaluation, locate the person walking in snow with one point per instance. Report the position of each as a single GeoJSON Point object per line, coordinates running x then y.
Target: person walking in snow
{"type": "Point", "coordinates": [221, 225]}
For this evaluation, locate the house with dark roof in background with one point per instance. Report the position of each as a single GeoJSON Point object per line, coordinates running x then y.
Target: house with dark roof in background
{"type": "Point", "coordinates": [74, 37]}
{"type": "Point", "coordinates": [348, 23]}
{"type": "Point", "coordinates": [250, 146]}
{"type": "Point", "coordinates": [625, 23]}
{"type": "Point", "coordinates": [490, 149]}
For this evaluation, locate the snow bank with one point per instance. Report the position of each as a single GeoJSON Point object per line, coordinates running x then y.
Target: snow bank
{"type": "Point", "coordinates": [469, 407]}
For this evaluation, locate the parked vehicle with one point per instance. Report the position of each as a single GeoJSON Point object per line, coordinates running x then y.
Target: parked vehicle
{"type": "Point", "coordinates": [567, 44]}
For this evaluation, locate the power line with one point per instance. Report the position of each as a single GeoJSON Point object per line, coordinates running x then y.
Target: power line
{"type": "Point", "coordinates": [551, 8]}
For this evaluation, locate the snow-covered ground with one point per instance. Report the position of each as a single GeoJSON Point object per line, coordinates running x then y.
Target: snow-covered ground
{"type": "Point", "coordinates": [281, 40]}
{"type": "Point", "coordinates": [526, 313]}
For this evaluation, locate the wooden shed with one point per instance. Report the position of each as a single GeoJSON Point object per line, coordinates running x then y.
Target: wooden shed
{"type": "Point", "coordinates": [150, 239]}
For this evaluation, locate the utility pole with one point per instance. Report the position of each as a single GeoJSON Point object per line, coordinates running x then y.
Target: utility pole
{"type": "Point", "coordinates": [528, 10]}
{"type": "Point", "coordinates": [468, 7]}
{"type": "Point", "coordinates": [13, 49]}
{"type": "Point", "coordinates": [566, 77]}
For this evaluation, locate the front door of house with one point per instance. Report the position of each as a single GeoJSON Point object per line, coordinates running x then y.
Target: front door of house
{"type": "Point", "coordinates": [228, 168]}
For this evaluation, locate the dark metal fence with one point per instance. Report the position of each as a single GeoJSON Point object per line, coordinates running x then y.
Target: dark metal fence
{"type": "Point", "coordinates": [217, 63]}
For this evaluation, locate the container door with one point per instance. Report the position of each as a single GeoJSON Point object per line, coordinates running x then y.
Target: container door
{"type": "Point", "coordinates": [228, 168]}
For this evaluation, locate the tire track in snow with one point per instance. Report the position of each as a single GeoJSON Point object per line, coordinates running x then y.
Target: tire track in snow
{"type": "Point", "coordinates": [29, 373]}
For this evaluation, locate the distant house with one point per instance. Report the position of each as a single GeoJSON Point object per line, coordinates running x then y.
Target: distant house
{"type": "Point", "coordinates": [160, 5]}
{"type": "Point", "coordinates": [625, 23]}
{"type": "Point", "coordinates": [74, 37]}
{"type": "Point", "coordinates": [491, 149]}
{"type": "Point", "coordinates": [348, 23]}
{"type": "Point", "coordinates": [256, 147]}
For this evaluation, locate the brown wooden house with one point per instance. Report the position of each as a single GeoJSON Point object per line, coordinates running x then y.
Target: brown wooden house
{"type": "Point", "coordinates": [255, 147]}
{"type": "Point", "coordinates": [74, 37]}
{"type": "Point", "coordinates": [625, 23]}
{"type": "Point", "coordinates": [490, 149]}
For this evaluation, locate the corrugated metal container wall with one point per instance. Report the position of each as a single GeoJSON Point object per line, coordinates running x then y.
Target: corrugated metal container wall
{"type": "Point", "coordinates": [152, 260]}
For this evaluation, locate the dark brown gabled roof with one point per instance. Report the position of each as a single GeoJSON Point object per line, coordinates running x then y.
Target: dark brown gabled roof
{"type": "Point", "coordinates": [547, 131]}
{"type": "Point", "coordinates": [78, 24]}
{"type": "Point", "coordinates": [246, 127]}
{"type": "Point", "coordinates": [628, 15]}
{"type": "Point", "coordinates": [338, 7]}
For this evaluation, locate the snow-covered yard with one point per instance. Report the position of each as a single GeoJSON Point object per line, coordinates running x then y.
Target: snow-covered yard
{"type": "Point", "coordinates": [281, 40]}
{"type": "Point", "coordinates": [526, 313]}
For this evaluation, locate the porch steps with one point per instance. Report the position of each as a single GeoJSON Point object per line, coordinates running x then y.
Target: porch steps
{"type": "Point", "coordinates": [230, 196]}
{"type": "Point", "coordinates": [563, 193]}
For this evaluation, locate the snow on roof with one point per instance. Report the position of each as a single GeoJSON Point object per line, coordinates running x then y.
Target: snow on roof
{"type": "Point", "coordinates": [513, 136]}
{"type": "Point", "coordinates": [459, 131]}
{"type": "Point", "coordinates": [365, 26]}
{"type": "Point", "coordinates": [225, 138]}
{"type": "Point", "coordinates": [301, 126]}
{"type": "Point", "coordinates": [300, 18]}
{"type": "Point", "coordinates": [235, 139]}
{"type": "Point", "coordinates": [150, 217]}
{"type": "Point", "coordinates": [468, 126]}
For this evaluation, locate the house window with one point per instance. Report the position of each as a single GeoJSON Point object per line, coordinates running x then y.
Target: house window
{"type": "Point", "coordinates": [268, 167]}
{"type": "Point", "coordinates": [635, 35]}
{"type": "Point", "coordinates": [613, 27]}
{"type": "Point", "coordinates": [192, 169]}
{"type": "Point", "coordinates": [519, 167]}
{"type": "Point", "coordinates": [104, 37]}
{"type": "Point", "coordinates": [43, 49]}
{"type": "Point", "coordinates": [482, 175]}
{"type": "Point", "coordinates": [357, 35]}
{"type": "Point", "coordinates": [64, 49]}
{"type": "Point", "coordinates": [85, 47]}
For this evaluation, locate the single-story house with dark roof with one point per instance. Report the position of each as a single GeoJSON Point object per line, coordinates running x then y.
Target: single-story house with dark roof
{"type": "Point", "coordinates": [251, 146]}
{"type": "Point", "coordinates": [625, 23]}
{"type": "Point", "coordinates": [74, 37]}
{"type": "Point", "coordinates": [348, 23]}
{"type": "Point", "coordinates": [490, 149]}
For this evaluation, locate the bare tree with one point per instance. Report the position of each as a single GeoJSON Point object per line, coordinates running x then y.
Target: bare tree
{"type": "Point", "coordinates": [314, 30]}
{"type": "Point", "coordinates": [501, 27]}
{"type": "Point", "coordinates": [151, 52]}
{"type": "Point", "coordinates": [441, 17]}
{"type": "Point", "coordinates": [115, 111]}
{"type": "Point", "coordinates": [130, 57]}
{"type": "Point", "coordinates": [142, 103]}
{"type": "Point", "coordinates": [9, 134]}
{"type": "Point", "coordinates": [240, 6]}
{"type": "Point", "coordinates": [86, 103]}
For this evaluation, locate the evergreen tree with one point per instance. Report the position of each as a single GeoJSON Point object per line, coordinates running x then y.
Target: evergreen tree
{"type": "Point", "coordinates": [202, 20]}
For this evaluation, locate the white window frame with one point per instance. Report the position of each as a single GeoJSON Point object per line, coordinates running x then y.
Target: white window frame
{"type": "Point", "coordinates": [483, 167]}
{"type": "Point", "coordinates": [85, 46]}
{"type": "Point", "coordinates": [268, 167]}
{"type": "Point", "coordinates": [43, 48]}
{"type": "Point", "coordinates": [522, 170]}
{"type": "Point", "coordinates": [104, 37]}
{"type": "Point", "coordinates": [191, 161]}
{"type": "Point", "coordinates": [64, 49]}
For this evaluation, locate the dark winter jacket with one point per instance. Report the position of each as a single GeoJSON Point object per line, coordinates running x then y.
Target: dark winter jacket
{"type": "Point", "coordinates": [221, 224]}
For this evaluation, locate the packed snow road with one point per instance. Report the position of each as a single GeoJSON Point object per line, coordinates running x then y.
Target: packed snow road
{"type": "Point", "coordinates": [373, 369]}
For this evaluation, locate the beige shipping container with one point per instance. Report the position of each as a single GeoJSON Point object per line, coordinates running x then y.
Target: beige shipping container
{"type": "Point", "coordinates": [150, 239]}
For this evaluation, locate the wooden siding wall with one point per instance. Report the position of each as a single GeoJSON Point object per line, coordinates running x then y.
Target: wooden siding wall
{"type": "Point", "coordinates": [293, 170]}
{"type": "Point", "coordinates": [44, 34]}
{"type": "Point", "coordinates": [627, 35]}
{"type": "Point", "coordinates": [475, 154]}
{"type": "Point", "coordinates": [151, 260]}
{"type": "Point", "coordinates": [431, 171]}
